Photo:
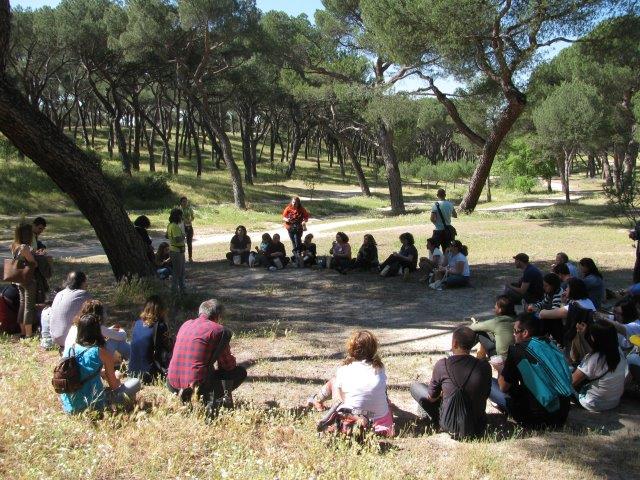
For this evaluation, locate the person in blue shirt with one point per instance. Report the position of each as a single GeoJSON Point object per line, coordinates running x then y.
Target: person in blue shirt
{"type": "Point", "coordinates": [593, 280]}
{"type": "Point", "coordinates": [529, 288]}
{"type": "Point", "coordinates": [92, 356]}
{"type": "Point", "coordinates": [150, 342]}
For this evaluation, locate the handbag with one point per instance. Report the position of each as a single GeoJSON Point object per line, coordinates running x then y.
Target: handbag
{"type": "Point", "coordinates": [17, 271]}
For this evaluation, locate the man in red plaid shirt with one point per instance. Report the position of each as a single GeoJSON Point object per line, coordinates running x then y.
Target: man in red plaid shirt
{"type": "Point", "coordinates": [199, 344]}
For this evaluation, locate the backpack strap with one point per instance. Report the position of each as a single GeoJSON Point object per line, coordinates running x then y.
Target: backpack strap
{"type": "Point", "coordinates": [441, 216]}
{"type": "Point", "coordinates": [453, 380]}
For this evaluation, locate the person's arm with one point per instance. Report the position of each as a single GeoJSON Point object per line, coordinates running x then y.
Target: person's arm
{"type": "Point", "coordinates": [578, 377]}
{"type": "Point", "coordinates": [109, 369]}
{"type": "Point", "coordinates": [116, 334]}
{"type": "Point", "coordinates": [26, 253]}
{"type": "Point", "coordinates": [226, 361]}
{"type": "Point", "coordinates": [522, 289]}
{"type": "Point", "coordinates": [488, 326]}
{"type": "Point", "coordinates": [248, 247]}
{"type": "Point", "coordinates": [232, 248]}
{"type": "Point", "coordinates": [454, 214]}
{"type": "Point", "coordinates": [458, 269]}
{"type": "Point", "coordinates": [434, 389]}
{"type": "Point", "coordinates": [434, 217]}
{"type": "Point", "coordinates": [503, 384]}
{"type": "Point", "coordinates": [555, 314]}
{"type": "Point", "coordinates": [620, 327]}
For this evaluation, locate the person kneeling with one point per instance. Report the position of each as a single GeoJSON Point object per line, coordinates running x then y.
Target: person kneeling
{"type": "Point", "coordinates": [359, 388]}
{"type": "Point", "coordinates": [456, 397]}
{"type": "Point", "coordinates": [534, 385]}
{"type": "Point", "coordinates": [199, 344]}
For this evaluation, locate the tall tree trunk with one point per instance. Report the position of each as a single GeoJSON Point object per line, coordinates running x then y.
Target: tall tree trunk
{"type": "Point", "coordinates": [137, 132]}
{"type": "Point", "coordinates": [245, 122]}
{"type": "Point", "coordinates": [355, 162]}
{"type": "Point", "coordinates": [591, 165]}
{"type": "Point", "coordinates": [176, 151]}
{"type": "Point", "coordinates": [76, 175]}
{"type": "Point", "coordinates": [385, 137]}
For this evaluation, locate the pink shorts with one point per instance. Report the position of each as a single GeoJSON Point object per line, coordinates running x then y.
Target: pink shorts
{"type": "Point", "coordinates": [384, 426]}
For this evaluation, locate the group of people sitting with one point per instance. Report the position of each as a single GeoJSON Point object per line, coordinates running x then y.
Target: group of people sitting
{"type": "Point", "coordinates": [448, 269]}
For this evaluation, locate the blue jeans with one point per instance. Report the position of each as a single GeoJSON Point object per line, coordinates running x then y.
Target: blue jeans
{"type": "Point", "coordinates": [455, 280]}
{"type": "Point", "coordinates": [497, 396]}
{"type": "Point", "coordinates": [295, 234]}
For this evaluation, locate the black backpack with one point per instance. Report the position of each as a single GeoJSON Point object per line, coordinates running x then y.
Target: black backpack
{"type": "Point", "coordinates": [66, 375]}
{"type": "Point", "coordinates": [457, 417]}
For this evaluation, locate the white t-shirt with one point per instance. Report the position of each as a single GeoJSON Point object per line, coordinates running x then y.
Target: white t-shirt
{"type": "Point", "coordinates": [436, 254]}
{"type": "Point", "coordinates": [107, 333]}
{"type": "Point", "coordinates": [446, 207]}
{"type": "Point", "coordinates": [585, 303]}
{"type": "Point", "coordinates": [363, 388]}
{"type": "Point", "coordinates": [466, 271]}
{"type": "Point", "coordinates": [604, 393]}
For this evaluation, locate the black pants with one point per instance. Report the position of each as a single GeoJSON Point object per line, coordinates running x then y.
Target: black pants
{"type": "Point", "coordinates": [340, 263]}
{"type": "Point", "coordinates": [430, 410]}
{"type": "Point", "coordinates": [395, 263]}
{"type": "Point", "coordinates": [487, 340]}
{"type": "Point", "coordinates": [516, 297]}
{"type": "Point", "coordinates": [295, 234]}
{"type": "Point", "coordinates": [188, 230]}
{"type": "Point", "coordinates": [217, 382]}
{"type": "Point", "coordinates": [443, 238]}
{"type": "Point", "coordinates": [636, 268]}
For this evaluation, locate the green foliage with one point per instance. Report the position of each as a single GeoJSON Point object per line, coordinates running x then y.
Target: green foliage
{"type": "Point", "coordinates": [522, 163]}
{"type": "Point", "coordinates": [143, 190]}
{"type": "Point", "coordinates": [7, 149]}
{"type": "Point", "coordinates": [524, 184]}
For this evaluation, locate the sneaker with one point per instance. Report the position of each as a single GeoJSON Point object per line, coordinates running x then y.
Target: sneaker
{"type": "Point", "coordinates": [272, 268]}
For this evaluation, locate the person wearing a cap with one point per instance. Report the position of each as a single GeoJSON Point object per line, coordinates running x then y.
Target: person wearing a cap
{"type": "Point", "coordinates": [529, 287]}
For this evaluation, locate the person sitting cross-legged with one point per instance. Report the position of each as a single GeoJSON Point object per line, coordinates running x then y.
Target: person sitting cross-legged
{"type": "Point", "coordinates": [428, 265]}
{"type": "Point", "coordinates": [459, 374]}
{"type": "Point", "coordinates": [201, 343]}
{"type": "Point", "coordinates": [276, 254]}
{"type": "Point", "coordinates": [456, 271]}
{"type": "Point", "coordinates": [495, 335]}
{"type": "Point", "coordinates": [308, 252]}
{"type": "Point", "coordinates": [239, 247]}
{"type": "Point", "coordinates": [340, 252]}
{"type": "Point", "coordinates": [534, 383]}
{"type": "Point", "coordinates": [529, 287]}
{"type": "Point", "coordinates": [360, 384]}
{"type": "Point", "coordinates": [367, 257]}
{"type": "Point", "coordinates": [259, 257]}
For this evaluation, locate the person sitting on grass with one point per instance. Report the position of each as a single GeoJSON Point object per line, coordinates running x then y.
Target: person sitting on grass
{"type": "Point", "coordinates": [239, 247]}
{"type": "Point", "coordinates": [276, 254]}
{"type": "Point", "coordinates": [529, 287]}
{"type": "Point", "coordinates": [163, 261]}
{"type": "Point", "coordinates": [115, 337]}
{"type": "Point", "coordinates": [259, 257]}
{"type": "Point", "coordinates": [534, 383]}
{"type": "Point", "coordinates": [593, 280]}
{"type": "Point", "coordinates": [495, 335]}
{"type": "Point", "coordinates": [552, 294]}
{"type": "Point", "coordinates": [600, 378]}
{"type": "Point", "coordinates": [625, 321]}
{"type": "Point", "coordinates": [563, 259]}
{"type": "Point", "coordinates": [403, 262]}
{"type": "Point", "coordinates": [340, 252]}
{"type": "Point", "coordinates": [461, 373]}
{"type": "Point", "coordinates": [92, 356]}
{"type": "Point", "coordinates": [200, 344]}
{"type": "Point", "coordinates": [150, 344]}
{"type": "Point", "coordinates": [428, 265]}
{"type": "Point", "coordinates": [66, 305]}
{"type": "Point", "coordinates": [456, 272]}
{"type": "Point", "coordinates": [308, 251]}
{"type": "Point", "coordinates": [367, 257]}
{"type": "Point", "coordinates": [563, 272]}
{"type": "Point", "coordinates": [360, 384]}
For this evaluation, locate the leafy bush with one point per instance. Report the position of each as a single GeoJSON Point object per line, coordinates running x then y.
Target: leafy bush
{"type": "Point", "coordinates": [524, 184]}
{"type": "Point", "coordinates": [143, 190]}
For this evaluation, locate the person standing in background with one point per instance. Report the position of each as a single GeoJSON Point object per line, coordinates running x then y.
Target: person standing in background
{"type": "Point", "coordinates": [441, 213]}
{"type": "Point", "coordinates": [187, 220]}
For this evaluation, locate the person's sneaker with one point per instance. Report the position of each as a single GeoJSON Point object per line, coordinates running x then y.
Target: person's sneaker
{"type": "Point", "coordinates": [227, 400]}
{"type": "Point", "coordinates": [272, 268]}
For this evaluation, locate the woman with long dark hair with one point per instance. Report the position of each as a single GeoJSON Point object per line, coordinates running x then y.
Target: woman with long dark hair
{"type": "Point", "coordinates": [593, 280]}
{"type": "Point", "coordinates": [403, 262]}
{"type": "Point", "coordinates": [600, 377]}
{"type": "Point", "coordinates": [21, 251]}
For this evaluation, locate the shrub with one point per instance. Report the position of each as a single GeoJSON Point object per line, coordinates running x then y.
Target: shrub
{"type": "Point", "coordinates": [524, 184]}
{"type": "Point", "coordinates": [142, 190]}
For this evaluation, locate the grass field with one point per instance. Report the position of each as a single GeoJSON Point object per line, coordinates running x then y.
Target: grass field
{"type": "Point", "coordinates": [290, 327]}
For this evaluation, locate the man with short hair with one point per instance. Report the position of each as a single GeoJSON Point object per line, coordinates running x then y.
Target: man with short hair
{"type": "Point", "coordinates": [441, 213]}
{"type": "Point", "coordinates": [199, 344]}
{"type": "Point", "coordinates": [534, 385]}
{"type": "Point", "coordinates": [563, 258]}
{"type": "Point", "coordinates": [529, 287]}
{"type": "Point", "coordinates": [460, 371]}
{"type": "Point", "coordinates": [562, 270]}
{"type": "Point", "coordinates": [39, 225]}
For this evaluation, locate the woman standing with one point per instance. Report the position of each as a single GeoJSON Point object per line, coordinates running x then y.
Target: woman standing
{"type": "Point", "coordinates": [21, 251]}
{"type": "Point", "coordinates": [176, 250]}
{"type": "Point", "coordinates": [295, 218]}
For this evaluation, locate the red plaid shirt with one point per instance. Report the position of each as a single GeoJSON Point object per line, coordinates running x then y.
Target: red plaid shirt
{"type": "Point", "coordinates": [194, 345]}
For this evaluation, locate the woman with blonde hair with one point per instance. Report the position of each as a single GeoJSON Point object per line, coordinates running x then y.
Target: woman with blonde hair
{"type": "Point", "coordinates": [115, 337]}
{"type": "Point", "coordinates": [360, 384]}
{"type": "Point", "coordinates": [21, 251]}
{"type": "Point", "coordinates": [150, 342]}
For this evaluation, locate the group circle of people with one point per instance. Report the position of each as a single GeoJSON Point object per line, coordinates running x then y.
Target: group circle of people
{"type": "Point", "coordinates": [560, 349]}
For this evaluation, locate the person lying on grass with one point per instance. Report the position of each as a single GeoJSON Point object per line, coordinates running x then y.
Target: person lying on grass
{"type": "Point", "coordinates": [360, 384]}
